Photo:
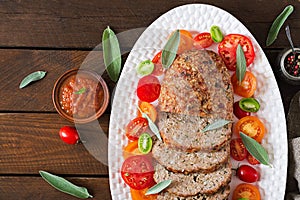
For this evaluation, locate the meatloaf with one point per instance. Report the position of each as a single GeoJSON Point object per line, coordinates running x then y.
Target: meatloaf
{"type": "Point", "coordinates": [197, 84]}
{"type": "Point", "coordinates": [194, 183]}
{"type": "Point", "coordinates": [222, 194]}
{"type": "Point", "coordinates": [185, 132]}
{"type": "Point", "coordinates": [177, 160]}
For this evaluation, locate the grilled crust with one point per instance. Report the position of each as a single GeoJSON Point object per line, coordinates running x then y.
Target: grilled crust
{"type": "Point", "coordinates": [222, 194]}
{"type": "Point", "coordinates": [197, 84]}
{"type": "Point", "coordinates": [185, 132]}
{"type": "Point", "coordinates": [194, 183]}
{"type": "Point", "coordinates": [176, 160]}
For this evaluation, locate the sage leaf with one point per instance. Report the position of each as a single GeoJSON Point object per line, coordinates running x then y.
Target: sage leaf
{"type": "Point", "coordinates": [151, 124]}
{"type": "Point", "coordinates": [215, 125]}
{"type": "Point", "coordinates": [81, 91]}
{"type": "Point", "coordinates": [35, 76]}
{"type": "Point", "coordinates": [277, 24]}
{"type": "Point", "coordinates": [240, 63]}
{"type": "Point", "coordinates": [111, 54]}
{"type": "Point", "coordinates": [216, 34]}
{"type": "Point", "coordinates": [255, 149]}
{"type": "Point", "coordinates": [170, 49]}
{"type": "Point", "coordinates": [65, 186]}
{"type": "Point", "coordinates": [243, 199]}
{"type": "Point", "coordinates": [158, 187]}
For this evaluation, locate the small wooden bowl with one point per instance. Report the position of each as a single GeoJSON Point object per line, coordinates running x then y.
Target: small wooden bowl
{"type": "Point", "coordinates": [62, 80]}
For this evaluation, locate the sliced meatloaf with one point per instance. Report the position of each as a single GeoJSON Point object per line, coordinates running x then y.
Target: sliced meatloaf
{"type": "Point", "coordinates": [197, 84]}
{"type": "Point", "coordinates": [177, 160]}
{"type": "Point", "coordinates": [185, 132]}
{"type": "Point", "coordinates": [194, 183]}
{"type": "Point", "coordinates": [222, 194]}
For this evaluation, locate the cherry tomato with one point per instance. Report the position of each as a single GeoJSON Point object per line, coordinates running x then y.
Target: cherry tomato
{"type": "Point", "coordinates": [148, 109]}
{"type": "Point", "coordinates": [227, 50]}
{"type": "Point", "coordinates": [69, 135]}
{"type": "Point", "coordinates": [131, 149]}
{"type": "Point", "coordinates": [136, 127]}
{"type": "Point", "coordinates": [158, 68]}
{"type": "Point", "coordinates": [238, 150]}
{"type": "Point", "coordinates": [247, 87]}
{"type": "Point", "coordinates": [251, 126]}
{"type": "Point", "coordinates": [137, 172]}
{"type": "Point", "coordinates": [140, 195]}
{"type": "Point", "coordinates": [148, 88]}
{"type": "Point", "coordinates": [186, 41]}
{"type": "Point", "coordinates": [203, 40]}
{"type": "Point", "coordinates": [247, 191]}
{"type": "Point", "coordinates": [252, 160]}
{"type": "Point", "coordinates": [238, 112]}
{"type": "Point", "coordinates": [247, 174]}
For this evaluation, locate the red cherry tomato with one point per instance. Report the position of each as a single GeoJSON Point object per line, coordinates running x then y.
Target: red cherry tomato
{"type": "Point", "coordinates": [252, 160]}
{"type": "Point", "coordinates": [136, 127]}
{"type": "Point", "coordinates": [238, 150]}
{"type": "Point", "coordinates": [247, 174]}
{"type": "Point", "coordinates": [203, 40]}
{"type": "Point", "coordinates": [238, 112]}
{"type": "Point", "coordinates": [148, 88]}
{"type": "Point", "coordinates": [137, 172]}
{"type": "Point", "coordinates": [158, 68]}
{"type": "Point", "coordinates": [227, 50]}
{"type": "Point", "coordinates": [69, 135]}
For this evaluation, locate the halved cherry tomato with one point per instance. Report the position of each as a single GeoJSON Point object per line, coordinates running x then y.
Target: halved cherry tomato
{"type": "Point", "coordinates": [247, 191]}
{"type": "Point", "coordinates": [238, 112]}
{"type": "Point", "coordinates": [227, 50]}
{"type": "Point", "coordinates": [186, 41]}
{"type": "Point", "coordinates": [158, 68]}
{"type": "Point", "coordinates": [136, 127]}
{"type": "Point", "coordinates": [137, 172]}
{"type": "Point", "coordinates": [238, 150]}
{"type": "Point", "coordinates": [247, 87]}
{"type": "Point", "coordinates": [148, 109]}
{"type": "Point", "coordinates": [247, 174]}
{"type": "Point", "coordinates": [251, 126]}
{"type": "Point", "coordinates": [140, 195]}
{"type": "Point", "coordinates": [203, 40]}
{"type": "Point", "coordinates": [252, 160]}
{"type": "Point", "coordinates": [131, 149]}
{"type": "Point", "coordinates": [148, 88]}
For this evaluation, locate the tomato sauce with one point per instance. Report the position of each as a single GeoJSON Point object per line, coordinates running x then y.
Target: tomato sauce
{"type": "Point", "coordinates": [81, 96]}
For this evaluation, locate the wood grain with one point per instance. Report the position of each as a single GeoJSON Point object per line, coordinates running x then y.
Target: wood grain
{"type": "Point", "coordinates": [79, 24]}
{"type": "Point", "coordinates": [28, 188]}
{"type": "Point", "coordinates": [30, 142]}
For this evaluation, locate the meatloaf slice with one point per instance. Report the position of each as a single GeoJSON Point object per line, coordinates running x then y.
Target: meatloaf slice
{"type": "Point", "coordinates": [197, 84]}
{"type": "Point", "coordinates": [184, 132]}
{"type": "Point", "coordinates": [194, 183]}
{"type": "Point", "coordinates": [222, 194]}
{"type": "Point", "coordinates": [177, 160]}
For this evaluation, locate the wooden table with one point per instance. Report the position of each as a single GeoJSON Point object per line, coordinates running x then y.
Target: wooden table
{"type": "Point", "coordinates": [56, 36]}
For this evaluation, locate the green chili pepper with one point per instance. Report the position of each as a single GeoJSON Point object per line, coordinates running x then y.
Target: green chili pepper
{"type": "Point", "coordinates": [145, 67]}
{"type": "Point", "coordinates": [249, 105]}
{"type": "Point", "coordinates": [145, 143]}
{"type": "Point", "coordinates": [35, 76]}
{"type": "Point", "coordinates": [216, 34]}
{"type": "Point", "coordinates": [277, 24]}
{"type": "Point", "coordinates": [65, 186]}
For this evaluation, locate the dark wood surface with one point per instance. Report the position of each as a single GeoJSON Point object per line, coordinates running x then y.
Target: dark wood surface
{"type": "Point", "coordinates": [58, 35]}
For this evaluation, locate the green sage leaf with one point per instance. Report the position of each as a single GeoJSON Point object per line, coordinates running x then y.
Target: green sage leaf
{"type": "Point", "coordinates": [277, 24]}
{"type": "Point", "coordinates": [216, 125]}
{"type": "Point", "coordinates": [170, 49]}
{"type": "Point", "coordinates": [111, 54]}
{"type": "Point", "coordinates": [81, 91]}
{"type": "Point", "coordinates": [255, 149]}
{"type": "Point", "coordinates": [240, 63]}
{"type": "Point", "coordinates": [65, 186]}
{"type": "Point", "coordinates": [158, 187]}
{"type": "Point", "coordinates": [35, 76]}
{"type": "Point", "coordinates": [243, 199]}
{"type": "Point", "coordinates": [151, 124]}
{"type": "Point", "coordinates": [216, 34]}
